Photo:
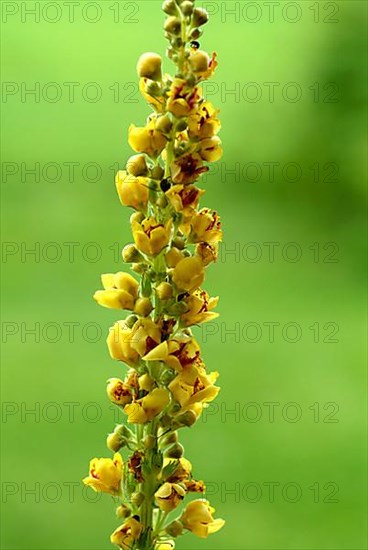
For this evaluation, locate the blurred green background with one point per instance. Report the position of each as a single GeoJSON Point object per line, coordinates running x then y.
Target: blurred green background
{"type": "Point", "coordinates": [312, 451]}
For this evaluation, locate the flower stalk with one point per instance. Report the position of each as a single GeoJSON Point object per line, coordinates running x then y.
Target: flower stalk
{"type": "Point", "coordinates": [166, 384]}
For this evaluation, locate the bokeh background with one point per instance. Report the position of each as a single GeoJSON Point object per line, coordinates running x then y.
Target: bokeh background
{"type": "Point", "coordinates": [312, 131]}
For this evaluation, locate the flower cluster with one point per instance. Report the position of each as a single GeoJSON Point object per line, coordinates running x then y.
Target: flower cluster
{"type": "Point", "coordinates": [166, 384]}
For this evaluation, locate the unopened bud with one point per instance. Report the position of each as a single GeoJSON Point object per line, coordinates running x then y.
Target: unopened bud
{"type": "Point", "coordinates": [149, 441]}
{"type": "Point", "coordinates": [172, 25]}
{"type": "Point", "coordinates": [137, 499]}
{"type": "Point", "coordinates": [169, 7]}
{"type": "Point", "coordinates": [157, 172]}
{"type": "Point", "coordinates": [175, 528]}
{"type": "Point", "coordinates": [179, 242]}
{"type": "Point", "coordinates": [164, 124]}
{"type": "Point", "coordinates": [118, 438]}
{"type": "Point", "coordinates": [200, 17]}
{"type": "Point", "coordinates": [176, 450]}
{"type": "Point", "coordinates": [131, 254]}
{"type": "Point", "coordinates": [187, 419]}
{"type": "Point", "coordinates": [165, 545]}
{"type": "Point", "coordinates": [199, 61]}
{"type": "Point", "coordinates": [164, 291]}
{"type": "Point", "coordinates": [182, 125]}
{"type": "Point", "coordinates": [137, 165]}
{"type": "Point", "coordinates": [146, 287]}
{"type": "Point", "coordinates": [149, 66]}
{"type": "Point", "coordinates": [169, 439]}
{"type": "Point", "coordinates": [186, 7]}
{"type": "Point", "coordinates": [123, 511]}
{"type": "Point", "coordinates": [143, 307]}
{"type": "Point", "coordinates": [138, 268]}
{"type": "Point", "coordinates": [131, 320]}
{"type": "Point", "coordinates": [146, 382]}
{"type": "Point", "coordinates": [162, 202]}
{"type": "Point", "coordinates": [195, 34]}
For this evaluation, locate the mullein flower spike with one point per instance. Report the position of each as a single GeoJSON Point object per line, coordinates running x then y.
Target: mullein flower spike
{"type": "Point", "coordinates": [166, 384]}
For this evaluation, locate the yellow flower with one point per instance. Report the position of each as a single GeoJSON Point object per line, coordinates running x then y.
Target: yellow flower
{"type": "Point", "coordinates": [169, 496]}
{"type": "Point", "coordinates": [121, 290]}
{"type": "Point", "coordinates": [199, 308]}
{"type": "Point", "coordinates": [149, 66]}
{"type": "Point", "coordinates": [125, 535]}
{"type": "Point", "coordinates": [133, 191]}
{"type": "Point", "coordinates": [177, 353]}
{"type": "Point", "coordinates": [118, 392]}
{"type": "Point", "coordinates": [151, 92]}
{"type": "Point", "coordinates": [203, 123]}
{"type": "Point", "coordinates": [150, 236]}
{"type": "Point", "coordinates": [182, 469]}
{"type": "Point", "coordinates": [207, 252]}
{"type": "Point", "coordinates": [184, 199]}
{"type": "Point", "coordinates": [205, 226]}
{"type": "Point", "coordinates": [187, 168]}
{"type": "Point", "coordinates": [146, 408]}
{"type": "Point", "coordinates": [194, 385]}
{"type": "Point", "coordinates": [197, 518]}
{"type": "Point", "coordinates": [145, 336]}
{"type": "Point", "coordinates": [146, 139]}
{"type": "Point", "coordinates": [182, 98]}
{"type": "Point", "coordinates": [188, 274]}
{"type": "Point", "coordinates": [105, 474]}
{"type": "Point", "coordinates": [119, 342]}
{"type": "Point", "coordinates": [211, 149]}
{"type": "Point", "coordinates": [173, 257]}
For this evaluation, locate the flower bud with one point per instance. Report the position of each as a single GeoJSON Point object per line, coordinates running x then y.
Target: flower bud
{"type": "Point", "coordinates": [136, 217]}
{"type": "Point", "coordinates": [182, 125]}
{"type": "Point", "coordinates": [178, 309]}
{"type": "Point", "coordinates": [187, 8]}
{"type": "Point", "coordinates": [131, 254]}
{"type": "Point", "coordinates": [115, 442]}
{"type": "Point", "coordinates": [199, 61]}
{"type": "Point", "coordinates": [143, 307]}
{"type": "Point", "coordinates": [149, 66]}
{"type": "Point", "coordinates": [165, 545]}
{"type": "Point", "coordinates": [169, 439]}
{"type": "Point", "coordinates": [179, 243]}
{"type": "Point", "coordinates": [146, 382]}
{"type": "Point", "coordinates": [169, 7]}
{"type": "Point", "coordinates": [176, 450]}
{"type": "Point", "coordinates": [118, 438]}
{"type": "Point", "coordinates": [123, 511]}
{"type": "Point", "coordinates": [164, 291]}
{"type": "Point", "coordinates": [137, 165]}
{"type": "Point", "coordinates": [137, 499]}
{"type": "Point", "coordinates": [138, 268]}
{"type": "Point", "coordinates": [149, 441]}
{"type": "Point", "coordinates": [175, 528]}
{"type": "Point", "coordinates": [117, 392]}
{"type": "Point", "coordinates": [164, 124]}
{"type": "Point", "coordinates": [173, 257]}
{"type": "Point", "coordinates": [195, 34]}
{"type": "Point", "coordinates": [200, 17]}
{"type": "Point", "coordinates": [187, 419]}
{"type": "Point", "coordinates": [146, 286]}
{"type": "Point", "coordinates": [131, 320]}
{"type": "Point", "coordinates": [172, 25]}
{"type": "Point", "coordinates": [157, 173]}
